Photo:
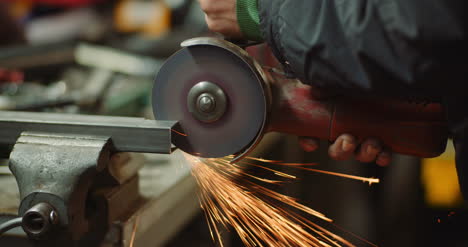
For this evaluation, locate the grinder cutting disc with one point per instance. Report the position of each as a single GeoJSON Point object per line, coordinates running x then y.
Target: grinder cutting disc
{"type": "Point", "coordinates": [216, 94]}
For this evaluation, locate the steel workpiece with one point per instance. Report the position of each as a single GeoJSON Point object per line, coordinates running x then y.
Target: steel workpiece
{"type": "Point", "coordinates": [128, 134]}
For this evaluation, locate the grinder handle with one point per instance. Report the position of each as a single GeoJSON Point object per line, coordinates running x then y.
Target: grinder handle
{"type": "Point", "coordinates": [403, 127]}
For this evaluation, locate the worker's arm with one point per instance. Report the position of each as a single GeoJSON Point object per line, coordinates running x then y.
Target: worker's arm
{"type": "Point", "coordinates": [389, 47]}
{"type": "Point", "coordinates": [413, 47]}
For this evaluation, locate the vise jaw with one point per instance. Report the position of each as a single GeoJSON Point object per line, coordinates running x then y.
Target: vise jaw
{"type": "Point", "coordinates": [57, 170]}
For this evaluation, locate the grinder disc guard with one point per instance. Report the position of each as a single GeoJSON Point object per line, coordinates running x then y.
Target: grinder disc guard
{"type": "Point", "coordinates": [242, 116]}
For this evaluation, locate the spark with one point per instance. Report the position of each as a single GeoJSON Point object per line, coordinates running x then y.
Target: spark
{"type": "Point", "coordinates": [229, 198]}
{"type": "Point", "coordinates": [356, 236]}
{"type": "Point", "coordinates": [276, 172]}
{"type": "Point", "coordinates": [298, 164]}
{"type": "Point", "coordinates": [177, 132]}
{"type": "Point", "coordinates": [363, 179]}
{"type": "Point", "coordinates": [260, 159]}
{"type": "Point", "coordinates": [278, 162]}
{"type": "Point", "coordinates": [135, 225]}
{"type": "Point", "coordinates": [301, 166]}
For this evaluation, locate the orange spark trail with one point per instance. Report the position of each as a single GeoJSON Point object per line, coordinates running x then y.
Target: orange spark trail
{"type": "Point", "coordinates": [132, 239]}
{"type": "Point", "coordinates": [229, 199]}
{"type": "Point", "coordinates": [367, 180]}
{"type": "Point", "coordinates": [301, 166]}
{"type": "Point", "coordinates": [279, 162]}
{"type": "Point", "coordinates": [177, 132]}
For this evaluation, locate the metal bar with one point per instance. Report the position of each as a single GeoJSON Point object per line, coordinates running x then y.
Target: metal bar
{"type": "Point", "coordinates": [33, 56]}
{"type": "Point", "coordinates": [115, 60]}
{"type": "Point", "coordinates": [127, 134]}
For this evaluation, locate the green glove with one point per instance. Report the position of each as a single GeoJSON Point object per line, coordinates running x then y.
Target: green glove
{"type": "Point", "coordinates": [248, 19]}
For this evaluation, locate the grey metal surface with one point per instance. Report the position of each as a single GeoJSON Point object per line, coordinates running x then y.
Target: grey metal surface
{"type": "Point", "coordinates": [54, 168]}
{"type": "Point", "coordinates": [128, 134]}
{"type": "Point", "coordinates": [206, 101]}
{"type": "Point", "coordinates": [59, 170]}
{"type": "Point", "coordinates": [39, 220]}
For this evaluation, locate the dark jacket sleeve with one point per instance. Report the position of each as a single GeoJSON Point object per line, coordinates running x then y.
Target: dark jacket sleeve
{"type": "Point", "coordinates": [388, 46]}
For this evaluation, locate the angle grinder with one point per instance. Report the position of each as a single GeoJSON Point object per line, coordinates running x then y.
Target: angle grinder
{"type": "Point", "coordinates": [225, 102]}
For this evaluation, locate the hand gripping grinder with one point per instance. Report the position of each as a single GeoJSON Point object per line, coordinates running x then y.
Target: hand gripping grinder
{"type": "Point", "coordinates": [225, 102]}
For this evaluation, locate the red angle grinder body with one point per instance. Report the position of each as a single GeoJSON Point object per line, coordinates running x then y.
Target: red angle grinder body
{"type": "Point", "coordinates": [225, 102]}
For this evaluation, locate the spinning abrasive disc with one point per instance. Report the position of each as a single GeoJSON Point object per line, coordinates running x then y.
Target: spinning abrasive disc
{"type": "Point", "coordinates": [216, 94]}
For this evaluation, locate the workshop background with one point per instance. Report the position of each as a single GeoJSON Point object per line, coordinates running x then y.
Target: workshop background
{"type": "Point", "coordinates": [100, 58]}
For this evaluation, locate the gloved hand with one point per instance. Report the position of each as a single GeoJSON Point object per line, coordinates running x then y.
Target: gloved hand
{"type": "Point", "coordinates": [220, 16]}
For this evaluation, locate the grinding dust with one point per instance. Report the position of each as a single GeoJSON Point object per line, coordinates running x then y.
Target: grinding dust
{"type": "Point", "coordinates": [260, 216]}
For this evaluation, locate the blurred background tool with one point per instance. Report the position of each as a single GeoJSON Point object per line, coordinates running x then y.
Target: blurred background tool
{"type": "Point", "coordinates": [70, 58]}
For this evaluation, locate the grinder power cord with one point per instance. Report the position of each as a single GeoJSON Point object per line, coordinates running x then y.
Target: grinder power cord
{"type": "Point", "coordinates": [36, 222]}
